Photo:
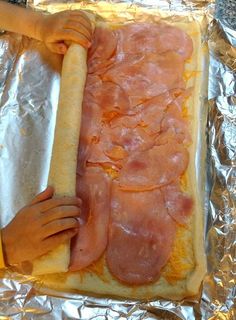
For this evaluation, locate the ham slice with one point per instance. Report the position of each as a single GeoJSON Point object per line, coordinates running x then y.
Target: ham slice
{"type": "Point", "coordinates": [141, 235]}
{"type": "Point", "coordinates": [94, 190]}
{"type": "Point", "coordinates": [148, 115]}
{"type": "Point", "coordinates": [103, 48]}
{"type": "Point", "coordinates": [133, 128]}
{"type": "Point", "coordinates": [124, 139]}
{"type": "Point", "coordinates": [131, 140]}
{"type": "Point", "coordinates": [110, 97]}
{"type": "Point", "coordinates": [154, 168]}
{"type": "Point", "coordinates": [179, 205]}
{"type": "Point", "coordinates": [144, 77]}
{"type": "Point", "coordinates": [149, 37]}
{"type": "Point", "coordinates": [91, 124]}
{"type": "Point", "coordinates": [174, 122]}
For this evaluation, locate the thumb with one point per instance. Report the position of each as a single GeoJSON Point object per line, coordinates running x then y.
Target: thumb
{"type": "Point", "coordinates": [45, 195]}
{"type": "Point", "coordinates": [59, 48]}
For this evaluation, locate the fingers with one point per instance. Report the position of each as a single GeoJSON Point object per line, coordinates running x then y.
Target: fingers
{"type": "Point", "coordinates": [74, 36]}
{"type": "Point", "coordinates": [55, 240]}
{"type": "Point", "coordinates": [46, 194]}
{"type": "Point", "coordinates": [78, 27]}
{"type": "Point", "coordinates": [57, 202]}
{"type": "Point", "coordinates": [76, 14]}
{"type": "Point", "coordinates": [54, 227]}
{"type": "Point", "coordinates": [65, 27]}
{"type": "Point", "coordinates": [60, 213]}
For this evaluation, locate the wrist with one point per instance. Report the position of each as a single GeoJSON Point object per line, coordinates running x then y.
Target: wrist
{"type": "Point", "coordinates": [38, 26]}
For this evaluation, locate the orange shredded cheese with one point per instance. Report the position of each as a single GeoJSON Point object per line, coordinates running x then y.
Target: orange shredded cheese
{"type": "Point", "coordinates": [97, 268]}
{"type": "Point", "coordinates": [190, 74]}
{"type": "Point", "coordinates": [113, 173]}
{"type": "Point", "coordinates": [181, 259]}
{"type": "Point", "coordinates": [110, 115]}
{"type": "Point", "coordinates": [117, 153]}
{"type": "Point", "coordinates": [184, 182]}
{"type": "Point", "coordinates": [142, 124]}
{"type": "Point", "coordinates": [94, 139]}
{"type": "Point", "coordinates": [185, 111]}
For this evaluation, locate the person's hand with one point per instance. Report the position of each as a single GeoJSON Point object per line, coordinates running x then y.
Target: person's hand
{"type": "Point", "coordinates": [40, 227]}
{"type": "Point", "coordinates": [66, 26]}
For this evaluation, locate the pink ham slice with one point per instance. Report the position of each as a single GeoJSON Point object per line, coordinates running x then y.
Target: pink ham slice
{"type": "Point", "coordinates": [129, 140]}
{"type": "Point", "coordinates": [103, 48]}
{"type": "Point", "coordinates": [147, 115]}
{"type": "Point", "coordinates": [157, 38]}
{"type": "Point", "coordinates": [144, 77]}
{"type": "Point", "coordinates": [132, 118]}
{"type": "Point", "coordinates": [94, 190]}
{"type": "Point", "coordinates": [92, 113]}
{"type": "Point", "coordinates": [90, 132]}
{"type": "Point", "coordinates": [174, 126]}
{"type": "Point", "coordinates": [179, 204]}
{"type": "Point", "coordinates": [100, 147]}
{"type": "Point", "coordinates": [110, 97]}
{"type": "Point", "coordinates": [154, 168]}
{"type": "Point", "coordinates": [141, 235]}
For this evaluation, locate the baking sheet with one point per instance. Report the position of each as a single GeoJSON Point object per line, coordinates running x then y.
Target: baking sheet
{"type": "Point", "coordinates": [27, 118]}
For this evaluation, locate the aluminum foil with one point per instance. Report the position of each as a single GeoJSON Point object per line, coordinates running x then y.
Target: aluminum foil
{"type": "Point", "coordinates": [27, 119]}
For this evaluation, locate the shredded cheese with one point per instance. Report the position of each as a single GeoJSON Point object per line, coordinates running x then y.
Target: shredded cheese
{"type": "Point", "coordinates": [190, 74]}
{"type": "Point", "coordinates": [98, 268]}
{"type": "Point", "coordinates": [181, 259]}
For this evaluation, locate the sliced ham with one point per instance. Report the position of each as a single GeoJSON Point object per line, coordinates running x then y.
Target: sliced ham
{"type": "Point", "coordinates": [154, 168]}
{"type": "Point", "coordinates": [141, 235]}
{"type": "Point", "coordinates": [144, 77]}
{"type": "Point", "coordinates": [99, 149]}
{"type": "Point", "coordinates": [174, 122]}
{"type": "Point", "coordinates": [90, 130]}
{"type": "Point", "coordinates": [149, 37]}
{"type": "Point", "coordinates": [133, 128]}
{"type": "Point", "coordinates": [131, 140]}
{"type": "Point", "coordinates": [103, 48]}
{"type": "Point", "coordinates": [94, 190]}
{"type": "Point", "coordinates": [147, 115]}
{"type": "Point", "coordinates": [92, 113]}
{"type": "Point", "coordinates": [110, 97]}
{"type": "Point", "coordinates": [104, 44]}
{"type": "Point", "coordinates": [120, 140]}
{"type": "Point", "coordinates": [179, 204]}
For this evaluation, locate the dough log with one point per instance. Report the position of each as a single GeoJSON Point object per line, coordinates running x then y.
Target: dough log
{"type": "Point", "coordinates": [62, 174]}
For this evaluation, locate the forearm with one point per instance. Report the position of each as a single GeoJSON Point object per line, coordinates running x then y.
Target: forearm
{"type": "Point", "coordinates": [19, 20]}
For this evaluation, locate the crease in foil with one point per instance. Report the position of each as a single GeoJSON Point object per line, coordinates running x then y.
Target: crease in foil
{"type": "Point", "coordinates": [27, 113]}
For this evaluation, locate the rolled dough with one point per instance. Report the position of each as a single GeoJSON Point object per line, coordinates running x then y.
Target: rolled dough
{"type": "Point", "coordinates": [62, 175]}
